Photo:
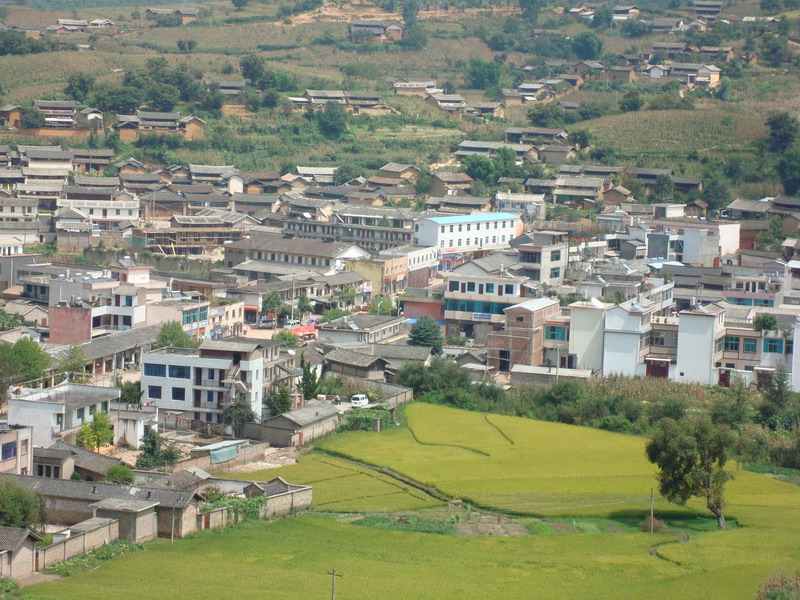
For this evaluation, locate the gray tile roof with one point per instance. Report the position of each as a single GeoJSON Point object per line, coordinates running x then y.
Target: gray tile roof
{"type": "Point", "coordinates": [94, 492]}
{"type": "Point", "coordinates": [305, 416]}
{"type": "Point", "coordinates": [349, 357]}
{"type": "Point", "coordinates": [86, 459]}
{"type": "Point", "coordinates": [11, 538]}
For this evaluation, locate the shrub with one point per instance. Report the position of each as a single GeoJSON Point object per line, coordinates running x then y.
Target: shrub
{"type": "Point", "coordinates": [780, 587]}
{"type": "Point", "coordinates": [659, 526]}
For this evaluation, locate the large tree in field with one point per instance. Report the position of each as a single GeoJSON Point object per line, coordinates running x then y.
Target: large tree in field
{"type": "Point", "coordinates": [691, 455]}
{"type": "Point", "coordinates": [784, 130]}
{"type": "Point", "coordinates": [19, 507]}
{"type": "Point", "coordinates": [426, 332]}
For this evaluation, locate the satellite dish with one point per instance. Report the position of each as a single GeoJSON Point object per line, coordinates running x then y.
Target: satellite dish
{"type": "Point", "coordinates": [292, 352]}
{"type": "Point", "coordinates": [307, 215]}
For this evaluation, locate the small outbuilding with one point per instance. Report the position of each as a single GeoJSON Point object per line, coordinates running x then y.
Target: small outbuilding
{"type": "Point", "coordinates": [299, 426]}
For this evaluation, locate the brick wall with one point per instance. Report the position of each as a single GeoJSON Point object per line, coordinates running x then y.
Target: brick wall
{"type": "Point", "coordinates": [77, 543]}
{"type": "Point", "coordinates": [70, 325]}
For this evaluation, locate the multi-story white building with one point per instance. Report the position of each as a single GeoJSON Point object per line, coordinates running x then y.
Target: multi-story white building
{"type": "Point", "coordinates": [201, 382]}
{"type": "Point", "coordinates": [57, 413]}
{"type": "Point", "coordinates": [545, 259]}
{"type": "Point", "coordinates": [474, 305]}
{"type": "Point", "coordinates": [467, 233]}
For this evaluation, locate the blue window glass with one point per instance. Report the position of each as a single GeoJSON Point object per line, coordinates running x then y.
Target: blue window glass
{"type": "Point", "coordinates": [179, 394]}
{"type": "Point", "coordinates": [152, 370]}
{"type": "Point", "coordinates": [180, 372]}
{"type": "Point", "coordinates": [773, 345]}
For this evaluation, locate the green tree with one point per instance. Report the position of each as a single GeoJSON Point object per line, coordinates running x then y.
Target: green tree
{"type": "Point", "coordinates": [410, 12]}
{"type": "Point", "coordinates": [240, 4]}
{"type": "Point", "coordinates": [130, 392]}
{"type": "Point", "coordinates": [271, 303]}
{"type": "Point", "coordinates": [784, 130]}
{"type": "Point", "coordinates": [102, 432]}
{"type": "Point", "coordinates": [332, 121]}
{"type": "Point", "coordinates": [172, 335]}
{"type": "Point", "coordinates": [119, 474]}
{"type": "Point", "coordinates": [691, 455]}
{"type": "Point", "coordinates": [253, 68]}
{"type": "Point", "coordinates": [483, 74]}
{"type": "Point", "coordinates": [304, 304]}
{"type": "Point", "coordinates": [381, 305]}
{"type": "Point", "coordinates": [79, 85]}
{"type": "Point", "coordinates": [426, 332]}
{"type": "Point", "coordinates": [634, 29]}
{"type": "Point", "coordinates": [663, 190]}
{"type": "Point", "coordinates": [309, 382]}
{"type": "Point", "coordinates": [765, 322]}
{"type": "Point", "coordinates": [281, 401]}
{"type": "Point", "coordinates": [345, 173]}
{"type": "Point", "coordinates": [287, 338]}
{"type": "Point", "coordinates": [771, 6]}
{"type": "Point", "coordinates": [156, 451]}
{"type": "Point", "coordinates": [86, 437]}
{"type": "Point", "coordinates": [587, 45]}
{"type": "Point", "coordinates": [631, 101]}
{"type": "Point", "coordinates": [74, 361]}
{"type": "Point", "coordinates": [603, 18]}
{"type": "Point", "coordinates": [771, 238]}
{"type": "Point", "coordinates": [348, 295]}
{"type": "Point", "coordinates": [716, 194]}
{"type": "Point", "coordinates": [788, 168]}
{"type": "Point", "coordinates": [20, 507]}
{"type": "Point", "coordinates": [732, 408]}
{"type": "Point", "coordinates": [30, 360]}
{"type": "Point", "coordinates": [530, 10]}
{"type": "Point", "coordinates": [776, 409]}
{"type": "Point", "coordinates": [32, 118]}
{"type": "Point", "coordinates": [238, 415]}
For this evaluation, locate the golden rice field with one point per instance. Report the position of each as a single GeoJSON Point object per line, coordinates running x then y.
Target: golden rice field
{"type": "Point", "coordinates": [542, 465]}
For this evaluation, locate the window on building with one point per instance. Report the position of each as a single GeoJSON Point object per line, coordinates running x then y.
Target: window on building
{"type": "Point", "coordinates": [441, 230]}
{"type": "Point", "coordinates": [773, 345]}
{"type": "Point", "coordinates": [555, 332]}
{"type": "Point", "coordinates": [154, 392]}
{"type": "Point", "coordinates": [555, 255]}
{"type": "Point", "coordinates": [555, 273]}
{"type": "Point", "coordinates": [718, 344]}
{"type": "Point", "coordinates": [471, 286]}
{"type": "Point", "coordinates": [460, 228]}
{"type": "Point", "coordinates": [23, 447]}
{"type": "Point", "coordinates": [459, 243]}
{"type": "Point", "coordinates": [750, 346]}
{"type": "Point", "coordinates": [180, 371]}
{"type": "Point", "coordinates": [468, 240]}
{"type": "Point", "coordinates": [509, 289]}
{"type": "Point", "coordinates": [502, 238]}
{"type": "Point", "coordinates": [9, 450]}
{"type": "Point", "coordinates": [468, 226]}
{"type": "Point", "coordinates": [749, 368]}
{"type": "Point", "coordinates": [789, 347]}
{"type": "Point", "coordinates": [153, 370]}
{"type": "Point", "coordinates": [80, 414]}
{"type": "Point", "coordinates": [59, 420]}
{"type": "Point", "coordinates": [530, 257]}
{"type": "Point", "coordinates": [490, 288]}
{"type": "Point", "coordinates": [534, 274]}
{"type": "Point", "coordinates": [730, 365]}
{"type": "Point", "coordinates": [179, 394]}
{"type": "Point", "coordinates": [731, 343]}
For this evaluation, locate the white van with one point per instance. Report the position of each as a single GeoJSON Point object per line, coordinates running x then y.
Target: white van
{"type": "Point", "coordinates": [359, 400]}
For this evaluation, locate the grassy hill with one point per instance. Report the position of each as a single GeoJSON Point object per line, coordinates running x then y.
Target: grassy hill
{"type": "Point", "coordinates": [503, 461]}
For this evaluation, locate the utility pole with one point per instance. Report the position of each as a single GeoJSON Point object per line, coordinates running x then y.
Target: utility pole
{"type": "Point", "coordinates": [652, 504]}
{"type": "Point", "coordinates": [333, 575]}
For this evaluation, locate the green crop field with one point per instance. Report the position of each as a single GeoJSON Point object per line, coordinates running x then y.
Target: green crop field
{"type": "Point", "coordinates": [668, 132]}
{"type": "Point", "coordinates": [505, 461]}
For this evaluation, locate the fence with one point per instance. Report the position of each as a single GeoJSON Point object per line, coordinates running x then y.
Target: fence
{"type": "Point", "coordinates": [77, 543]}
{"type": "Point", "coordinates": [255, 452]}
